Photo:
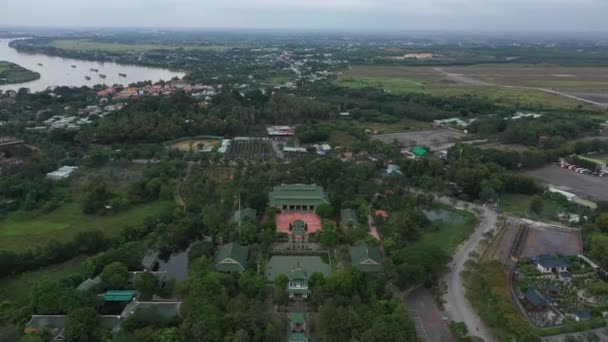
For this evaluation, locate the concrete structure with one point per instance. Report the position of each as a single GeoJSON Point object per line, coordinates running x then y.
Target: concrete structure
{"type": "Point", "coordinates": [297, 197]}
{"type": "Point", "coordinates": [61, 173]}
{"type": "Point", "coordinates": [231, 257]}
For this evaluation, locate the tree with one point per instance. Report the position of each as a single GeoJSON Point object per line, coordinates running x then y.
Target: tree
{"type": "Point", "coordinates": [115, 275]}
{"type": "Point", "coordinates": [536, 205]}
{"type": "Point", "coordinates": [82, 325]}
{"type": "Point", "coordinates": [329, 236]}
{"type": "Point", "coordinates": [146, 284]}
{"type": "Point", "coordinates": [326, 211]}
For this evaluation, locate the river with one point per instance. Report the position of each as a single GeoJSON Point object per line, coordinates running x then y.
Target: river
{"type": "Point", "coordinates": [58, 71]}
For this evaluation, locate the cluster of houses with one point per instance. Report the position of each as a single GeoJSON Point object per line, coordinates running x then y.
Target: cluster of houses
{"type": "Point", "coordinates": [546, 300]}
{"type": "Point", "coordinates": [196, 90]}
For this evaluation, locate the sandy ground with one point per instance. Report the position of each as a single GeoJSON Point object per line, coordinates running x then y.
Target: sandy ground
{"type": "Point", "coordinates": [550, 241]}
{"type": "Point", "coordinates": [435, 139]}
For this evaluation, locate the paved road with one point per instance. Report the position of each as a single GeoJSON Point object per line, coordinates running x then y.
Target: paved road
{"type": "Point", "coordinates": [427, 317]}
{"type": "Point", "coordinates": [457, 305]}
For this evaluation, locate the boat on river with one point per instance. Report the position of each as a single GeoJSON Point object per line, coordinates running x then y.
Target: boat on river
{"type": "Point", "coordinates": [94, 70]}
{"type": "Point", "coordinates": [87, 78]}
{"type": "Point", "coordinates": [122, 74]}
{"type": "Point", "coordinates": [102, 75]}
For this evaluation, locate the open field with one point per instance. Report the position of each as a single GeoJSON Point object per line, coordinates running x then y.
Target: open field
{"type": "Point", "coordinates": [87, 45]}
{"type": "Point", "coordinates": [438, 139]}
{"type": "Point", "coordinates": [17, 288]}
{"type": "Point", "coordinates": [23, 230]}
{"type": "Point", "coordinates": [196, 145]}
{"type": "Point", "coordinates": [13, 73]}
{"type": "Point", "coordinates": [585, 186]}
{"type": "Point", "coordinates": [519, 205]}
{"type": "Point", "coordinates": [543, 240]}
{"type": "Point", "coordinates": [487, 80]}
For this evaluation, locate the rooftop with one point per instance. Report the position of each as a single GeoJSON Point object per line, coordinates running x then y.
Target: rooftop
{"type": "Point", "coordinates": [119, 296]}
{"type": "Point", "coordinates": [231, 257]}
{"type": "Point", "coordinates": [366, 258]}
{"type": "Point", "coordinates": [550, 261]}
{"type": "Point", "coordinates": [534, 298]}
{"type": "Point", "coordinates": [297, 194]}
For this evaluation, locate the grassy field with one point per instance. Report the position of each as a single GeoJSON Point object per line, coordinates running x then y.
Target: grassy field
{"type": "Point", "coordinates": [13, 73]}
{"type": "Point", "coordinates": [451, 233]}
{"type": "Point", "coordinates": [87, 45]}
{"type": "Point", "coordinates": [467, 80]}
{"type": "Point", "coordinates": [17, 288]}
{"type": "Point", "coordinates": [519, 205]}
{"type": "Point", "coordinates": [23, 230]}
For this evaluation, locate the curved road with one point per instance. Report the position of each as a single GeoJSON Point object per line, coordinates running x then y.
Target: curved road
{"type": "Point", "coordinates": [457, 305]}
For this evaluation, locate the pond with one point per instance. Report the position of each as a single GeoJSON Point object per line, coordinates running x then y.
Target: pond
{"type": "Point", "coordinates": [443, 215]}
{"type": "Point", "coordinates": [59, 71]}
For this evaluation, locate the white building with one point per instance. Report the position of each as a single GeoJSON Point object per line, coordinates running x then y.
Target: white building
{"type": "Point", "coordinates": [61, 173]}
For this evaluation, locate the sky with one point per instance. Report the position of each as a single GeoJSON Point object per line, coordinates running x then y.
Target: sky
{"type": "Point", "coordinates": [350, 15]}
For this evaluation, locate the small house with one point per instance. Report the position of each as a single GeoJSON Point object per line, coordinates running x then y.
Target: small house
{"type": "Point", "coordinates": [348, 219]}
{"type": "Point", "coordinates": [231, 257]}
{"type": "Point", "coordinates": [419, 151]}
{"type": "Point", "coordinates": [583, 315]}
{"type": "Point", "coordinates": [245, 214]}
{"type": "Point", "coordinates": [366, 258]}
{"type": "Point", "coordinates": [119, 296]}
{"type": "Point", "coordinates": [534, 301]}
{"type": "Point", "coordinates": [297, 321]}
{"type": "Point", "coordinates": [546, 263]}
{"type": "Point", "coordinates": [298, 337]}
{"type": "Point", "coordinates": [150, 261]}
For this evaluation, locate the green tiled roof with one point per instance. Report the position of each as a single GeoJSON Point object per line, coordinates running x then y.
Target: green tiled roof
{"type": "Point", "coordinates": [118, 296]}
{"type": "Point", "coordinates": [297, 194]}
{"type": "Point", "coordinates": [297, 337]}
{"type": "Point", "coordinates": [297, 317]}
{"type": "Point", "coordinates": [231, 257]}
{"type": "Point", "coordinates": [419, 151]}
{"type": "Point", "coordinates": [298, 274]}
{"type": "Point", "coordinates": [366, 258]}
{"type": "Point", "coordinates": [348, 218]}
{"type": "Point", "coordinates": [245, 214]}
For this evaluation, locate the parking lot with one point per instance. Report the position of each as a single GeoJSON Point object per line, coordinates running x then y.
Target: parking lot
{"type": "Point", "coordinates": [585, 186]}
{"type": "Point", "coordinates": [436, 139]}
{"type": "Point", "coordinates": [427, 317]}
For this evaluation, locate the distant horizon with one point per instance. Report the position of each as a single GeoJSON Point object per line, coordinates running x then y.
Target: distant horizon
{"type": "Point", "coordinates": [317, 15]}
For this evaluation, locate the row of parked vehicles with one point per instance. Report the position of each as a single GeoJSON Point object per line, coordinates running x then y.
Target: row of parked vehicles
{"type": "Point", "coordinates": [582, 170]}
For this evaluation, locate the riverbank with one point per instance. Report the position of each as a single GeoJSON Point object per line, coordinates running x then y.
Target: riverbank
{"type": "Point", "coordinates": [12, 73]}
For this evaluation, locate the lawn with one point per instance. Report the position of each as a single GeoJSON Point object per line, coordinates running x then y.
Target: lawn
{"type": "Point", "coordinates": [87, 45]}
{"type": "Point", "coordinates": [404, 79]}
{"type": "Point", "coordinates": [23, 230]}
{"type": "Point", "coordinates": [453, 231]}
{"type": "Point", "coordinates": [13, 73]}
{"type": "Point", "coordinates": [519, 205]}
{"type": "Point", "coordinates": [17, 288]}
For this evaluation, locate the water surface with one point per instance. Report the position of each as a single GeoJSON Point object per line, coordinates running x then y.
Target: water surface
{"type": "Point", "coordinates": [58, 71]}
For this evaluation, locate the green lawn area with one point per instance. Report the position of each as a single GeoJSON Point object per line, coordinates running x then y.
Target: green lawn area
{"type": "Point", "coordinates": [508, 96]}
{"type": "Point", "coordinates": [519, 205]}
{"type": "Point", "coordinates": [451, 232]}
{"type": "Point", "coordinates": [276, 80]}
{"type": "Point", "coordinates": [395, 85]}
{"type": "Point", "coordinates": [23, 230]}
{"type": "Point", "coordinates": [87, 45]}
{"type": "Point", "coordinates": [17, 288]}
{"type": "Point", "coordinates": [13, 73]}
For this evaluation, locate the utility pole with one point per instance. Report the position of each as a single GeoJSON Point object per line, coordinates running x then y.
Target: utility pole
{"type": "Point", "coordinates": [240, 217]}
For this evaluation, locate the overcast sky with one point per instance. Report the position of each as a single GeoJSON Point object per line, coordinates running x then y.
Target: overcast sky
{"type": "Point", "coordinates": [486, 15]}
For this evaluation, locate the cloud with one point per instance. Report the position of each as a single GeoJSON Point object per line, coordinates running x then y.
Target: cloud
{"type": "Point", "coordinates": [313, 14]}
